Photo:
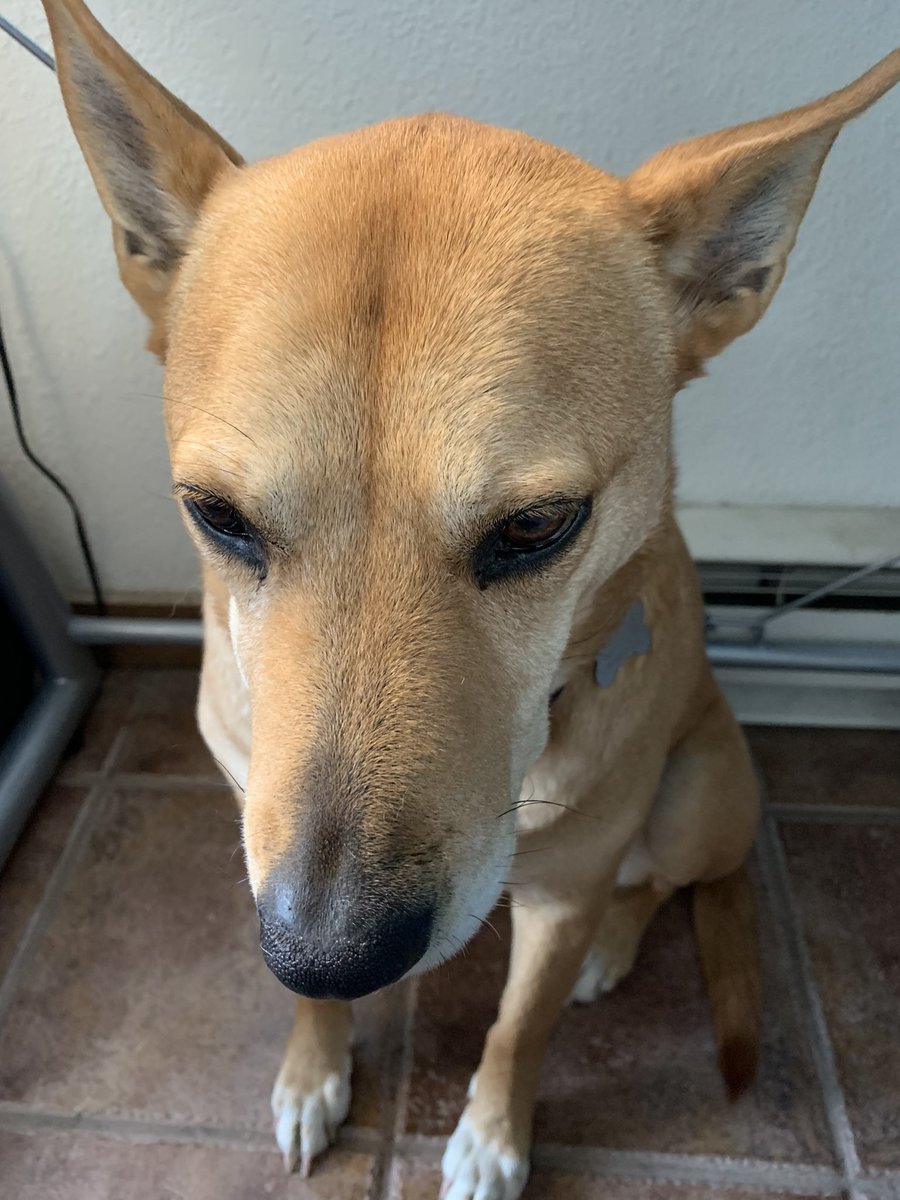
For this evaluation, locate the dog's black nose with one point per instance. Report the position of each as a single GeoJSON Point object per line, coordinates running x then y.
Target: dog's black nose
{"type": "Point", "coordinates": [343, 950]}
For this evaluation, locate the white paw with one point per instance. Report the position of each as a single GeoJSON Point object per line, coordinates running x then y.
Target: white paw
{"type": "Point", "coordinates": [599, 974]}
{"type": "Point", "coordinates": [475, 1169]}
{"type": "Point", "coordinates": [307, 1119]}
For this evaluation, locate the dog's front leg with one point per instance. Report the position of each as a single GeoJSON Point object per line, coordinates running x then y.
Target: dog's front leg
{"type": "Point", "coordinates": [311, 1097]}
{"type": "Point", "coordinates": [487, 1156]}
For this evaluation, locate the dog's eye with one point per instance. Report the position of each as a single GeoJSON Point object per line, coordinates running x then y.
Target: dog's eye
{"type": "Point", "coordinates": [220, 516]}
{"type": "Point", "coordinates": [530, 531]}
{"type": "Point", "coordinates": [225, 530]}
{"type": "Point", "coordinates": [528, 539]}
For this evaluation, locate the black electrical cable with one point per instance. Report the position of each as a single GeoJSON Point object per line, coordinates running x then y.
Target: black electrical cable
{"type": "Point", "coordinates": [83, 540]}
{"type": "Point", "coordinates": [80, 530]}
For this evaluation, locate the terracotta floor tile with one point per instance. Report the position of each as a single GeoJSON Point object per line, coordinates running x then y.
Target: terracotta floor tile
{"type": "Point", "coordinates": [421, 1181]}
{"type": "Point", "coordinates": [81, 1166]}
{"type": "Point", "coordinates": [847, 884]}
{"type": "Point", "coordinates": [636, 1069]}
{"type": "Point", "coordinates": [31, 863]}
{"type": "Point", "coordinates": [163, 738]}
{"type": "Point", "coordinates": [148, 996]}
{"type": "Point", "coordinates": [829, 766]}
{"type": "Point", "coordinates": [112, 709]}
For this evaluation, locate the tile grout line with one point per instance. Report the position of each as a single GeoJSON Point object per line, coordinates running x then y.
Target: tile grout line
{"type": "Point", "coordinates": [406, 1060]}
{"type": "Point", "coordinates": [884, 1186]}
{"type": "Point", "coordinates": [391, 1129]}
{"type": "Point", "coordinates": [775, 870]}
{"type": "Point", "coordinates": [149, 781]}
{"type": "Point", "coordinates": [679, 1169]}
{"type": "Point", "coordinates": [836, 814]}
{"type": "Point", "coordinates": [21, 1118]}
{"type": "Point", "coordinates": [69, 775]}
{"type": "Point", "coordinates": [75, 779]}
{"type": "Point", "coordinates": [43, 911]}
{"type": "Point", "coordinates": [687, 1169]}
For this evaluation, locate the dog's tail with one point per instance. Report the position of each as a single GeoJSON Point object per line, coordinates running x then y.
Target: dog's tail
{"type": "Point", "coordinates": [725, 926]}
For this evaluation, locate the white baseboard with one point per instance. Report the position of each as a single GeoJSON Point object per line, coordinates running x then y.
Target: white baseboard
{"type": "Point", "coordinates": [771, 697]}
{"type": "Point", "coordinates": [761, 534]}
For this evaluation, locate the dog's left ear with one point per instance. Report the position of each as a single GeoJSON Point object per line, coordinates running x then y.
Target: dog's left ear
{"type": "Point", "coordinates": [723, 211]}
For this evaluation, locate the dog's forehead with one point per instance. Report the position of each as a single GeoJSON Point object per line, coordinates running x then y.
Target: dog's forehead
{"type": "Point", "coordinates": [411, 289]}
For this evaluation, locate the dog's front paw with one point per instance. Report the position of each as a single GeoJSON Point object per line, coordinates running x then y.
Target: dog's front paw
{"type": "Point", "coordinates": [308, 1111]}
{"type": "Point", "coordinates": [605, 966]}
{"type": "Point", "coordinates": [476, 1167]}
{"type": "Point", "coordinates": [599, 974]}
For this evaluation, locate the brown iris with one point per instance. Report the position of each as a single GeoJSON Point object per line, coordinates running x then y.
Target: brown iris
{"type": "Point", "coordinates": [528, 540]}
{"type": "Point", "coordinates": [219, 515]}
{"type": "Point", "coordinates": [538, 530]}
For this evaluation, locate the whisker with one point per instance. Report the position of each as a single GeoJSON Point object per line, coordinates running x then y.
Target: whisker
{"type": "Point", "coordinates": [455, 946]}
{"type": "Point", "coordinates": [216, 417]}
{"type": "Point", "coordinates": [553, 804]}
{"type": "Point", "coordinates": [243, 791]}
{"type": "Point", "coordinates": [588, 637]}
{"type": "Point", "coordinates": [220, 470]}
{"type": "Point", "coordinates": [587, 656]}
{"type": "Point", "coordinates": [173, 400]}
{"type": "Point", "coordinates": [517, 804]}
{"type": "Point", "coordinates": [205, 445]}
{"type": "Point", "coordinates": [487, 925]}
{"type": "Point", "coordinates": [207, 448]}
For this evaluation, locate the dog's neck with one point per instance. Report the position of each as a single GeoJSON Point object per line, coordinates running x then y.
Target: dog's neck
{"type": "Point", "coordinates": [625, 616]}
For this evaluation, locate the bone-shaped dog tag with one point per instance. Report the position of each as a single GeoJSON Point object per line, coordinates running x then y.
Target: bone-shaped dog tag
{"type": "Point", "coordinates": [630, 639]}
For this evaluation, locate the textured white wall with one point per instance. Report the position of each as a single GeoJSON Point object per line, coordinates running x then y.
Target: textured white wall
{"type": "Point", "coordinates": [805, 411]}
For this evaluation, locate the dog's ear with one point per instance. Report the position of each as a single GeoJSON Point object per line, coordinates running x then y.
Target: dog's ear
{"type": "Point", "coordinates": [152, 159]}
{"type": "Point", "coordinates": [722, 211]}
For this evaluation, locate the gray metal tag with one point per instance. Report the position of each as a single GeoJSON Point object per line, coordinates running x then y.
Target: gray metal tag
{"type": "Point", "coordinates": [630, 639]}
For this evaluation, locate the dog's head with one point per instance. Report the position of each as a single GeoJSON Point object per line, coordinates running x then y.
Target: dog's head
{"type": "Point", "coordinates": [418, 395]}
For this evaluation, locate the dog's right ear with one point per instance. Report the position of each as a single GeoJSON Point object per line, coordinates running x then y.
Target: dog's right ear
{"type": "Point", "coordinates": [153, 160]}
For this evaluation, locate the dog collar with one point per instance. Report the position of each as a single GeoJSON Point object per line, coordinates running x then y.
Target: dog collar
{"type": "Point", "coordinates": [631, 638]}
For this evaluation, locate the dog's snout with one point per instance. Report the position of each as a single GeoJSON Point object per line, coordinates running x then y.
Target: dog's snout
{"type": "Point", "coordinates": [343, 949]}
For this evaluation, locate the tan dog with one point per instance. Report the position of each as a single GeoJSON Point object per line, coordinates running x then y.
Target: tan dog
{"type": "Point", "coordinates": [418, 398]}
